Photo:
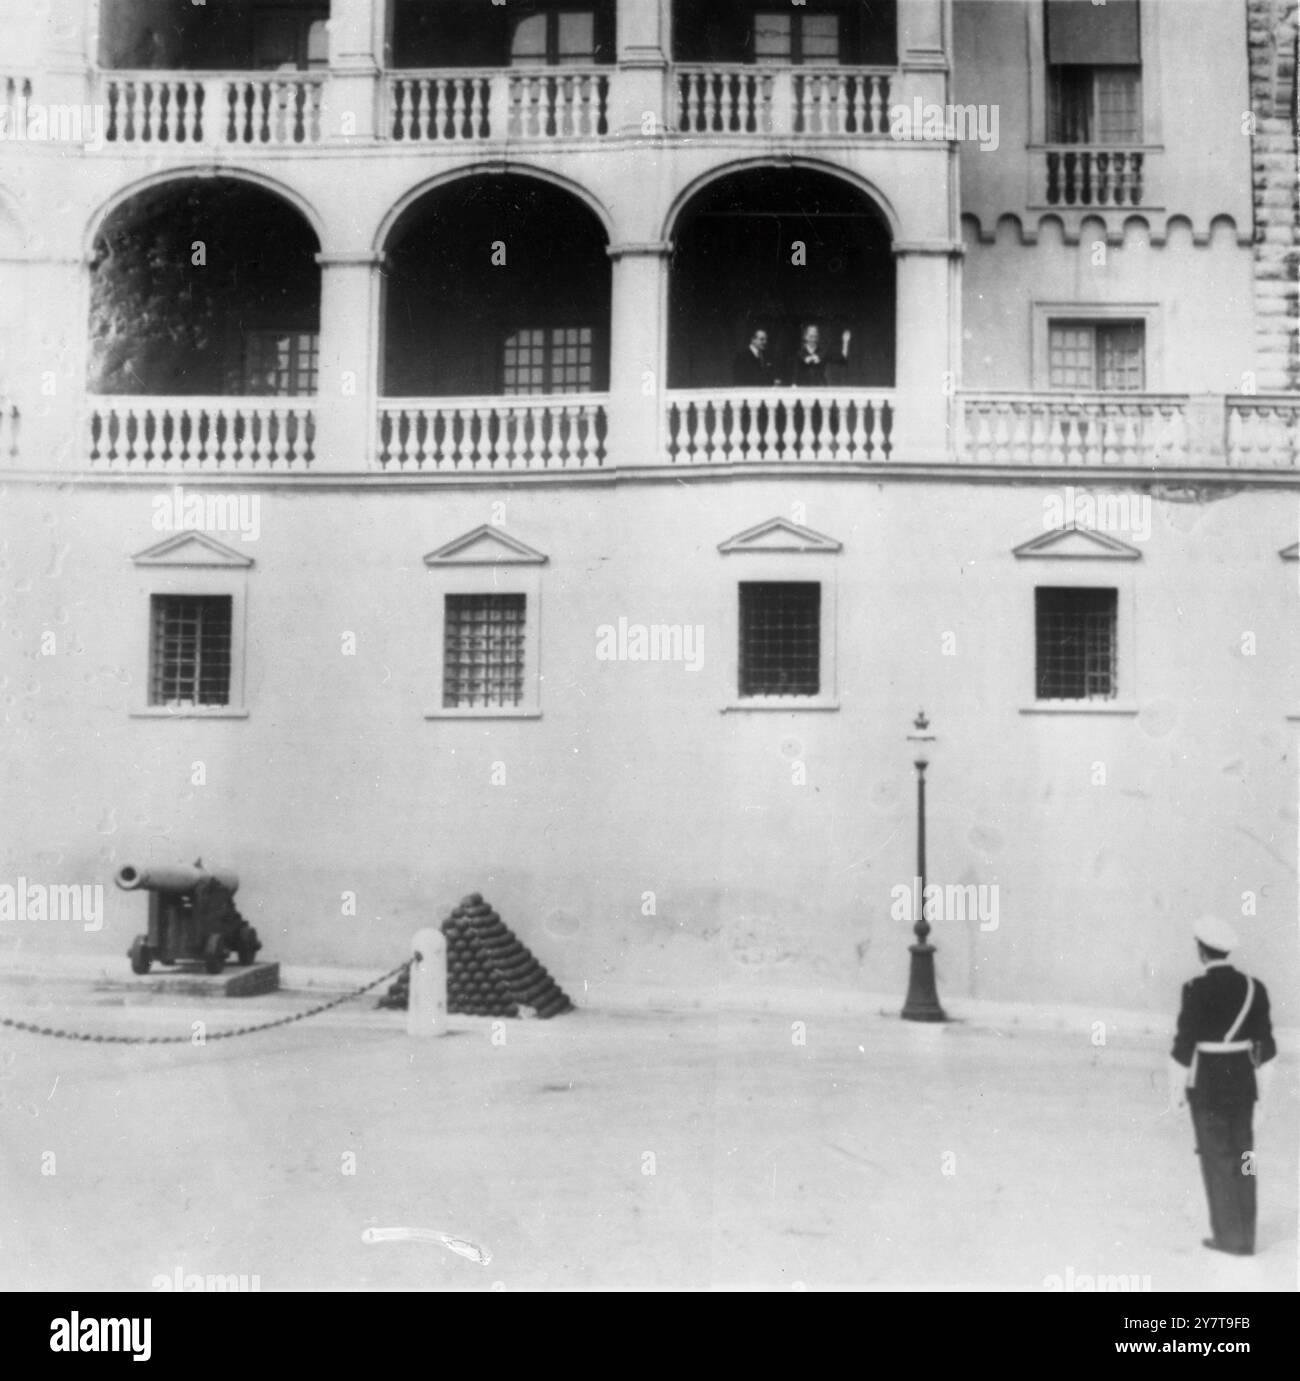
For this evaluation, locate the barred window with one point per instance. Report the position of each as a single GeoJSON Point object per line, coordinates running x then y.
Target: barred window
{"type": "Point", "coordinates": [555, 359]}
{"type": "Point", "coordinates": [1076, 643]}
{"type": "Point", "coordinates": [1089, 355]}
{"type": "Point", "coordinates": [483, 651]}
{"type": "Point", "coordinates": [191, 650]}
{"type": "Point", "coordinates": [780, 638]}
{"type": "Point", "coordinates": [280, 363]}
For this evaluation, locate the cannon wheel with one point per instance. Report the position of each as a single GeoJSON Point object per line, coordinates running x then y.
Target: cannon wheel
{"type": "Point", "coordinates": [139, 955]}
{"type": "Point", "coordinates": [248, 945]}
{"type": "Point", "coordinates": [214, 954]}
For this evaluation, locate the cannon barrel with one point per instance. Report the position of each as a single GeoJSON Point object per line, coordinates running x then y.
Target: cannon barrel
{"type": "Point", "coordinates": [172, 877]}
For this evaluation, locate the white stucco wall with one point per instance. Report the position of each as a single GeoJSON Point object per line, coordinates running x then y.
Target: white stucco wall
{"type": "Point", "coordinates": [633, 780]}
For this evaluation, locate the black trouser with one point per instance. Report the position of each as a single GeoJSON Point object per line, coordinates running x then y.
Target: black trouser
{"type": "Point", "coordinates": [1223, 1139]}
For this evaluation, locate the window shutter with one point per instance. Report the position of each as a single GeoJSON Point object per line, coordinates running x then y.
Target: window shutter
{"type": "Point", "coordinates": [1081, 32]}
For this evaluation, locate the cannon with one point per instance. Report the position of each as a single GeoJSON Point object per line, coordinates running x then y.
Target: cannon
{"type": "Point", "coordinates": [192, 916]}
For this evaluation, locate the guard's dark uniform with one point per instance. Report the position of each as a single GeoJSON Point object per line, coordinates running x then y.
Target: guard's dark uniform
{"type": "Point", "coordinates": [1222, 1047]}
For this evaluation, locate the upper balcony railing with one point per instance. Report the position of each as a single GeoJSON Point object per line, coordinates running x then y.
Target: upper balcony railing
{"type": "Point", "coordinates": [187, 108]}
{"type": "Point", "coordinates": [184, 109]}
{"type": "Point", "coordinates": [1134, 430]}
{"type": "Point", "coordinates": [210, 434]}
{"type": "Point", "coordinates": [455, 105]}
{"type": "Point", "coordinates": [778, 426]}
{"type": "Point", "coordinates": [492, 435]}
{"type": "Point", "coordinates": [743, 99]}
{"type": "Point", "coordinates": [699, 429]}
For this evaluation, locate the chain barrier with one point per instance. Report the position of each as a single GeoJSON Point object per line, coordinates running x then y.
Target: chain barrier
{"type": "Point", "coordinates": [35, 1030]}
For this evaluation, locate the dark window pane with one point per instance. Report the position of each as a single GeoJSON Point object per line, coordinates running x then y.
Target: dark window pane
{"type": "Point", "coordinates": [780, 639]}
{"type": "Point", "coordinates": [483, 651]}
{"type": "Point", "coordinates": [191, 650]}
{"type": "Point", "coordinates": [1076, 643]}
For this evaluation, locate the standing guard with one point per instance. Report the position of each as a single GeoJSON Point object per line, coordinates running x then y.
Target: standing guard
{"type": "Point", "coordinates": [1224, 1036]}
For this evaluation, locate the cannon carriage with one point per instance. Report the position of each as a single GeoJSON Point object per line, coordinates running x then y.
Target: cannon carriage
{"type": "Point", "coordinates": [192, 917]}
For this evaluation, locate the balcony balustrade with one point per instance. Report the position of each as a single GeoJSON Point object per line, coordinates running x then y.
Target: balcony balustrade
{"type": "Point", "coordinates": [699, 428]}
{"type": "Point", "coordinates": [487, 435]}
{"type": "Point", "coordinates": [281, 109]}
{"type": "Point", "coordinates": [1139, 430]}
{"type": "Point", "coordinates": [210, 434]}
{"type": "Point", "coordinates": [456, 106]}
{"type": "Point", "coordinates": [741, 99]}
{"type": "Point", "coordinates": [779, 426]}
{"type": "Point", "coordinates": [1080, 175]}
{"type": "Point", "coordinates": [1264, 433]}
{"type": "Point", "coordinates": [274, 110]}
{"type": "Point", "coordinates": [1074, 429]}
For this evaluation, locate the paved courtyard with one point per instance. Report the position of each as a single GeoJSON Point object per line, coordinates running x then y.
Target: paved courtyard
{"type": "Point", "coordinates": [605, 1150]}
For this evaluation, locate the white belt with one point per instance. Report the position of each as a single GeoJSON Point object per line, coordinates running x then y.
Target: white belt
{"type": "Point", "coordinates": [1227, 1046]}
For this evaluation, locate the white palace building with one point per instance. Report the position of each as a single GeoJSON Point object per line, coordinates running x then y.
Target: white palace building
{"type": "Point", "coordinates": [393, 506]}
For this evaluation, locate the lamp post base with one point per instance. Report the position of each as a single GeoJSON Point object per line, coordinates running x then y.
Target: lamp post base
{"type": "Point", "coordinates": [922, 996]}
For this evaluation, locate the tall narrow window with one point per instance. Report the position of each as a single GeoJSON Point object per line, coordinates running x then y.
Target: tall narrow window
{"type": "Point", "coordinates": [1087, 356]}
{"type": "Point", "coordinates": [1076, 643]}
{"type": "Point", "coordinates": [483, 651]}
{"type": "Point", "coordinates": [190, 655]}
{"type": "Point", "coordinates": [780, 638]}
{"type": "Point", "coordinates": [1094, 61]}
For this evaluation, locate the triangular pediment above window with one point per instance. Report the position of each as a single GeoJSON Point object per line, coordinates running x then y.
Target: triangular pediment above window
{"type": "Point", "coordinates": [1291, 553]}
{"type": "Point", "coordinates": [485, 546]}
{"type": "Point", "coordinates": [191, 549]}
{"type": "Point", "coordinates": [779, 534]}
{"type": "Point", "coordinates": [1077, 543]}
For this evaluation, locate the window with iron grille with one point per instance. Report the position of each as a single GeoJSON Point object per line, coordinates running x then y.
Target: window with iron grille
{"type": "Point", "coordinates": [191, 650]}
{"type": "Point", "coordinates": [483, 651]}
{"type": "Point", "coordinates": [784, 38]}
{"type": "Point", "coordinates": [780, 638]}
{"type": "Point", "coordinates": [1091, 355]}
{"type": "Point", "coordinates": [550, 359]}
{"type": "Point", "coordinates": [1076, 643]}
{"type": "Point", "coordinates": [280, 363]}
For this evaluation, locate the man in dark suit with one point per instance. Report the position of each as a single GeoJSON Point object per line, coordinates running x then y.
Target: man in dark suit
{"type": "Point", "coordinates": [810, 361]}
{"type": "Point", "coordinates": [1224, 1035]}
{"type": "Point", "coordinates": [751, 366]}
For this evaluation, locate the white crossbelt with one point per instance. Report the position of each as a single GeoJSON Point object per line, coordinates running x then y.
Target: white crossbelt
{"type": "Point", "coordinates": [1227, 1046]}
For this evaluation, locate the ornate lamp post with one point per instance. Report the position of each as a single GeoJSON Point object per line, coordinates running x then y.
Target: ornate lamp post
{"type": "Point", "coordinates": [922, 998]}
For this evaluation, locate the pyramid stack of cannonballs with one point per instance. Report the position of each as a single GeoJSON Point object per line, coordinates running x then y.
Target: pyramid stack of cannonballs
{"type": "Point", "coordinates": [489, 972]}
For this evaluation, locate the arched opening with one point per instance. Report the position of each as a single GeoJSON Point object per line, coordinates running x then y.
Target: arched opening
{"type": "Point", "coordinates": [496, 286]}
{"type": "Point", "coordinates": [204, 287]}
{"type": "Point", "coordinates": [776, 250]}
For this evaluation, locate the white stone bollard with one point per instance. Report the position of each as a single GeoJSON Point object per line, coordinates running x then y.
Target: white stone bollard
{"type": "Point", "coordinates": [426, 1010]}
